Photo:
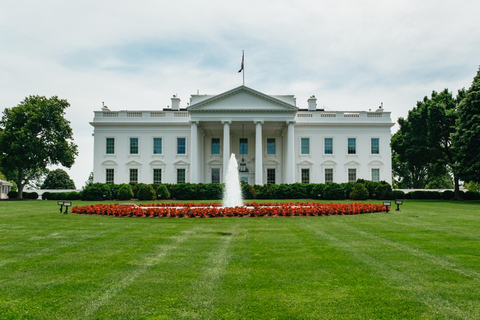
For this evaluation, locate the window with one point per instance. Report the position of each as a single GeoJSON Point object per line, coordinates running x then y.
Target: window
{"type": "Point", "coordinates": [215, 145]}
{"type": "Point", "coordinates": [328, 145]}
{"type": "Point", "coordinates": [305, 145]}
{"type": "Point", "coordinates": [133, 175]}
{"type": "Point", "coordinates": [157, 175]}
{"type": "Point", "coordinates": [352, 175]}
{"type": "Point", "coordinates": [328, 175]}
{"type": "Point", "coordinates": [375, 174]}
{"type": "Point", "coordinates": [271, 146]}
{"type": "Point", "coordinates": [133, 145]}
{"type": "Point", "coordinates": [180, 175]}
{"type": "Point", "coordinates": [271, 176]}
{"type": "Point", "coordinates": [110, 145]}
{"type": "Point", "coordinates": [375, 146]}
{"type": "Point", "coordinates": [157, 145]}
{"type": "Point", "coordinates": [243, 146]}
{"type": "Point", "coordinates": [305, 175]}
{"type": "Point", "coordinates": [216, 175]}
{"type": "Point", "coordinates": [109, 176]}
{"type": "Point", "coordinates": [352, 146]}
{"type": "Point", "coordinates": [244, 179]}
{"type": "Point", "coordinates": [181, 145]}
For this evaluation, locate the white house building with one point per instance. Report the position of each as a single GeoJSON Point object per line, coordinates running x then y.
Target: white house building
{"type": "Point", "coordinates": [273, 141]}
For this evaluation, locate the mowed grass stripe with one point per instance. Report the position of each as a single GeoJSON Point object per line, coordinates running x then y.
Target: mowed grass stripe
{"type": "Point", "coordinates": [405, 284]}
{"type": "Point", "coordinates": [143, 264]}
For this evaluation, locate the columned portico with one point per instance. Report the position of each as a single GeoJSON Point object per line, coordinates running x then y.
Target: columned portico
{"type": "Point", "coordinates": [258, 153]}
{"type": "Point", "coordinates": [226, 144]}
{"type": "Point", "coordinates": [194, 152]}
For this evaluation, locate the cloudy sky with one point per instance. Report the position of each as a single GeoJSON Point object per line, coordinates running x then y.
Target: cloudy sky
{"type": "Point", "coordinates": [353, 55]}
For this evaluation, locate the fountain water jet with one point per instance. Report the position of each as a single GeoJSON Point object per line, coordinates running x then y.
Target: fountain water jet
{"type": "Point", "coordinates": [232, 196]}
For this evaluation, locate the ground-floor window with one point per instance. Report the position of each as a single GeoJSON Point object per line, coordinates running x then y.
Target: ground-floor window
{"type": "Point", "coordinates": [133, 175]}
{"type": "Point", "coordinates": [157, 175]}
{"type": "Point", "coordinates": [328, 175]}
{"type": "Point", "coordinates": [216, 175]}
{"type": "Point", "coordinates": [305, 175]}
{"type": "Point", "coordinates": [270, 175]}
{"type": "Point", "coordinates": [244, 179]}
{"type": "Point", "coordinates": [375, 174]}
{"type": "Point", "coordinates": [109, 176]}
{"type": "Point", "coordinates": [180, 175]}
{"type": "Point", "coordinates": [352, 175]}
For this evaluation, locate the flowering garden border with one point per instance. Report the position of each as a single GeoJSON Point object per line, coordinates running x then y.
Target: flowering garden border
{"type": "Point", "coordinates": [215, 210]}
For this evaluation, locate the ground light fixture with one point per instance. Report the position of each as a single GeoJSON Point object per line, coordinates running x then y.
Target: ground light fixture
{"type": "Point", "coordinates": [398, 202]}
{"type": "Point", "coordinates": [387, 204]}
{"type": "Point", "coordinates": [60, 203]}
{"type": "Point", "coordinates": [67, 204]}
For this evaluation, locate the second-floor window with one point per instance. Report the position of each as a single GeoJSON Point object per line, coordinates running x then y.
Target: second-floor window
{"type": "Point", "coordinates": [328, 145]}
{"type": "Point", "coordinates": [157, 145]}
{"type": "Point", "coordinates": [271, 146]}
{"type": "Point", "coordinates": [352, 146]}
{"type": "Point", "coordinates": [375, 146]}
{"type": "Point", "coordinates": [215, 145]}
{"type": "Point", "coordinates": [243, 146]}
{"type": "Point", "coordinates": [133, 145]}
{"type": "Point", "coordinates": [305, 145]}
{"type": "Point", "coordinates": [110, 146]}
{"type": "Point", "coordinates": [181, 145]}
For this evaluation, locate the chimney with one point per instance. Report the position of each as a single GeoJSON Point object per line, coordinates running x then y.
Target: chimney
{"type": "Point", "coordinates": [312, 103]}
{"type": "Point", "coordinates": [175, 103]}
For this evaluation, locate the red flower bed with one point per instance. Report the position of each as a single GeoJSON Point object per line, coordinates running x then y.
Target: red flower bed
{"type": "Point", "coordinates": [212, 210]}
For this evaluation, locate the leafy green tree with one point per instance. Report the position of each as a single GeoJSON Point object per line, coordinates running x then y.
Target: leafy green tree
{"type": "Point", "coordinates": [467, 138]}
{"type": "Point", "coordinates": [423, 148]}
{"type": "Point", "coordinates": [58, 179]}
{"type": "Point", "coordinates": [33, 135]}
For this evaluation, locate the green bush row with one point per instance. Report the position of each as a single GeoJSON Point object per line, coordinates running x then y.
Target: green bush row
{"type": "Point", "coordinates": [445, 195]}
{"type": "Point", "coordinates": [73, 195]}
{"type": "Point", "coordinates": [26, 195]}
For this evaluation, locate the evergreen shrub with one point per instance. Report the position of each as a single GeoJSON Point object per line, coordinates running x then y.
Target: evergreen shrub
{"type": "Point", "coordinates": [248, 192]}
{"type": "Point", "coordinates": [471, 195]}
{"type": "Point", "coordinates": [96, 192]}
{"type": "Point", "coordinates": [125, 192]}
{"type": "Point", "coordinates": [185, 191]}
{"type": "Point", "coordinates": [398, 194]}
{"type": "Point", "coordinates": [359, 192]}
{"type": "Point", "coordinates": [448, 195]}
{"type": "Point", "coordinates": [146, 192]}
{"type": "Point", "coordinates": [12, 194]}
{"type": "Point", "coordinates": [333, 191]}
{"type": "Point", "coordinates": [162, 192]}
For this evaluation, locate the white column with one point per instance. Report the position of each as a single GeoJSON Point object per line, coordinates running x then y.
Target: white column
{"type": "Point", "coordinates": [194, 152]}
{"type": "Point", "coordinates": [226, 144]}
{"type": "Point", "coordinates": [258, 153]}
{"type": "Point", "coordinates": [291, 153]}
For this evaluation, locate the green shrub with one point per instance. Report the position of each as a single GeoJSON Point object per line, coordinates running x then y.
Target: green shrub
{"type": "Point", "coordinates": [317, 191]}
{"type": "Point", "coordinates": [333, 191]}
{"type": "Point", "coordinates": [32, 195]}
{"type": "Point", "coordinates": [73, 195]}
{"type": "Point", "coordinates": [125, 192]}
{"type": "Point", "coordinates": [471, 195]}
{"type": "Point", "coordinates": [61, 196]}
{"type": "Point", "coordinates": [448, 195]}
{"type": "Point", "coordinates": [46, 196]}
{"type": "Point", "coordinates": [359, 192]}
{"type": "Point", "coordinates": [398, 194]}
{"type": "Point", "coordinates": [208, 191]}
{"type": "Point", "coordinates": [146, 192]}
{"type": "Point", "coordinates": [12, 194]}
{"type": "Point", "coordinates": [185, 191]}
{"type": "Point", "coordinates": [134, 186]}
{"type": "Point", "coordinates": [298, 191]}
{"type": "Point", "coordinates": [425, 195]}
{"type": "Point", "coordinates": [248, 192]}
{"type": "Point", "coordinates": [162, 192]}
{"type": "Point", "coordinates": [96, 192]}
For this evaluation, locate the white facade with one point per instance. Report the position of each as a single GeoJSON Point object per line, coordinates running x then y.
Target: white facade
{"type": "Point", "coordinates": [284, 144]}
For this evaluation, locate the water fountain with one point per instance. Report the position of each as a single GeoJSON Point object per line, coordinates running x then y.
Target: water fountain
{"type": "Point", "coordinates": [232, 196]}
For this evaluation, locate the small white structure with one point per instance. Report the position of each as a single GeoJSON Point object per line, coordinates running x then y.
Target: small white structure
{"type": "Point", "coordinates": [273, 140]}
{"type": "Point", "coordinates": [5, 188]}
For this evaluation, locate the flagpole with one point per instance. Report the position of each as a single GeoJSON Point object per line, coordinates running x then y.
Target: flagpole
{"type": "Point", "coordinates": [243, 73]}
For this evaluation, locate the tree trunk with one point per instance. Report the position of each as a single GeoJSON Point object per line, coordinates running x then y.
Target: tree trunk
{"type": "Point", "coordinates": [20, 185]}
{"type": "Point", "coordinates": [457, 188]}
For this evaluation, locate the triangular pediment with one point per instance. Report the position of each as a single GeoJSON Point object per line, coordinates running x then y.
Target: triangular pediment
{"type": "Point", "coordinates": [244, 99]}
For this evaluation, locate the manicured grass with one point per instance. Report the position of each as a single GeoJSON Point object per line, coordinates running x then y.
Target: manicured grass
{"type": "Point", "coordinates": [420, 263]}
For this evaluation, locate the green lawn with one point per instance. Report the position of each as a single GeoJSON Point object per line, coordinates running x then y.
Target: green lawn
{"type": "Point", "coordinates": [420, 263]}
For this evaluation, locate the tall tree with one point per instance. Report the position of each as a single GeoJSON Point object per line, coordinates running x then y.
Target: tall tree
{"type": "Point", "coordinates": [58, 179]}
{"type": "Point", "coordinates": [33, 135]}
{"type": "Point", "coordinates": [467, 138]}
{"type": "Point", "coordinates": [423, 147]}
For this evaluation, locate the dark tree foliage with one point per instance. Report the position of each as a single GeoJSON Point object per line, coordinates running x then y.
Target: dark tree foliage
{"type": "Point", "coordinates": [33, 135]}
{"type": "Point", "coordinates": [467, 138]}
{"type": "Point", "coordinates": [58, 179]}
{"type": "Point", "coordinates": [423, 149]}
